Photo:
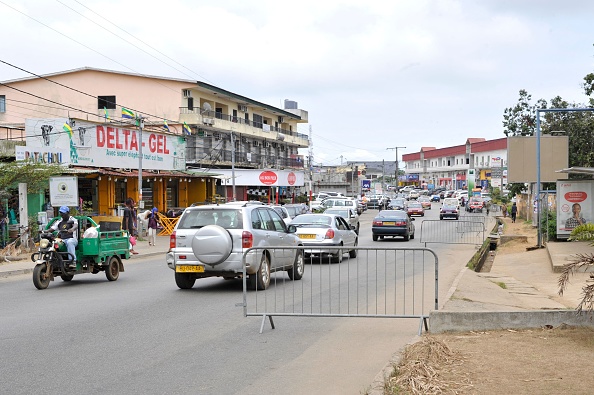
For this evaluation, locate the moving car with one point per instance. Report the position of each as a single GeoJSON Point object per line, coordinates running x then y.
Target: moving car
{"type": "Point", "coordinates": [320, 232]}
{"type": "Point", "coordinates": [210, 240]}
{"type": "Point", "coordinates": [414, 194]}
{"type": "Point", "coordinates": [475, 204]}
{"type": "Point", "coordinates": [349, 215]}
{"type": "Point", "coordinates": [415, 208]}
{"type": "Point", "coordinates": [397, 204]}
{"type": "Point", "coordinates": [435, 197]}
{"type": "Point", "coordinates": [449, 211]}
{"type": "Point", "coordinates": [393, 223]}
{"type": "Point", "coordinates": [425, 202]}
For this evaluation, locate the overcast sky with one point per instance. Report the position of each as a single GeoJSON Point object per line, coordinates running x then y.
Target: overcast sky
{"type": "Point", "coordinates": [372, 74]}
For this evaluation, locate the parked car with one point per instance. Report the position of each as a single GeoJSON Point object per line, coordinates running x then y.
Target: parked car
{"type": "Point", "coordinates": [425, 202]}
{"type": "Point", "coordinates": [321, 232]}
{"type": "Point", "coordinates": [296, 209]}
{"type": "Point", "coordinates": [349, 215]}
{"type": "Point", "coordinates": [210, 240]}
{"type": "Point", "coordinates": [449, 211]}
{"type": "Point", "coordinates": [393, 223]}
{"type": "Point", "coordinates": [284, 213]}
{"type": "Point", "coordinates": [397, 204]}
{"type": "Point", "coordinates": [415, 208]}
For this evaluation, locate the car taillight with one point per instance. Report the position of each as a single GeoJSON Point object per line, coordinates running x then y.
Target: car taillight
{"type": "Point", "coordinates": [377, 223]}
{"type": "Point", "coordinates": [172, 240]}
{"type": "Point", "coordinates": [247, 239]}
{"type": "Point", "coordinates": [400, 223]}
{"type": "Point", "coordinates": [329, 234]}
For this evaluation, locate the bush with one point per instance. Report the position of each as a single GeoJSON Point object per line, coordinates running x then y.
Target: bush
{"type": "Point", "coordinates": [548, 224]}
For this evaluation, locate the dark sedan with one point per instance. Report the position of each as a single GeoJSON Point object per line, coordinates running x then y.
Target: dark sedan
{"type": "Point", "coordinates": [449, 211]}
{"type": "Point", "coordinates": [397, 204]}
{"type": "Point", "coordinates": [393, 223]}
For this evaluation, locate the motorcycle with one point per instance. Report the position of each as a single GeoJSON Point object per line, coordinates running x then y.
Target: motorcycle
{"type": "Point", "coordinates": [52, 259]}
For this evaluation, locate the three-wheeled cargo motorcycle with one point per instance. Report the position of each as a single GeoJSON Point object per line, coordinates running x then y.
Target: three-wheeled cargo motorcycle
{"type": "Point", "coordinates": [103, 253]}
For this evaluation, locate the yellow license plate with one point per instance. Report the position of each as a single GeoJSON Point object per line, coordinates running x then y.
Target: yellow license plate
{"type": "Point", "coordinates": [390, 223]}
{"type": "Point", "coordinates": [307, 236]}
{"type": "Point", "coordinates": [189, 269]}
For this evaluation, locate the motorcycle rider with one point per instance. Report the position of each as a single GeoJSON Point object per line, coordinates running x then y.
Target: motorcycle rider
{"type": "Point", "coordinates": [67, 228]}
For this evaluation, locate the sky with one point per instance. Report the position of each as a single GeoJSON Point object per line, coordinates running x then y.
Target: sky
{"type": "Point", "coordinates": [372, 75]}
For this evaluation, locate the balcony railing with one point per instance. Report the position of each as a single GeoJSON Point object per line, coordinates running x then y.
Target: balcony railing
{"type": "Point", "coordinates": [240, 120]}
{"type": "Point", "coordinates": [209, 157]}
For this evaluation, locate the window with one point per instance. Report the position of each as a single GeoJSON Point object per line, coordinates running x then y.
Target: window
{"type": "Point", "coordinates": [108, 102]}
{"type": "Point", "coordinates": [2, 103]}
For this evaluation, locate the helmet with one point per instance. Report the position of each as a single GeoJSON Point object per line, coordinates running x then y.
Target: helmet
{"type": "Point", "coordinates": [154, 210]}
{"type": "Point", "coordinates": [64, 209]}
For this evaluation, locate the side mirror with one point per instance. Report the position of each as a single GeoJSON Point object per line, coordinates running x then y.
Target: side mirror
{"type": "Point", "coordinates": [291, 229]}
{"type": "Point", "coordinates": [412, 219]}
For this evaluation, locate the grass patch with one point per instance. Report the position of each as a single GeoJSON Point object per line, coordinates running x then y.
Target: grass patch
{"type": "Point", "coordinates": [502, 285]}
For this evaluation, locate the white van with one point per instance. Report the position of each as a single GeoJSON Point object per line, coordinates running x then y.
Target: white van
{"type": "Point", "coordinates": [451, 202]}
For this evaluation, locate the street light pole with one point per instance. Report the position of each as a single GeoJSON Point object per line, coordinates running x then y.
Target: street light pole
{"type": "Point", "coordinates": [396, 171]}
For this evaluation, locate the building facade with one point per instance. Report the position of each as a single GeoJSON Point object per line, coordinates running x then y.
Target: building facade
{"type": "Point", "coordinates": [450, 167]}
{"type": "Point", "coordinates": [212, 128]}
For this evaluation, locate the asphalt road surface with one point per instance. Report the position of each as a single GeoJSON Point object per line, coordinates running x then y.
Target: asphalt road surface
{"type": "Point", "coordinates": [141, 334]}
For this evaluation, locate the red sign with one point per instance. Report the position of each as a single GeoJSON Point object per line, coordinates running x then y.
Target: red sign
{"type": "Point", "coordinates": [576, 196]}
{"type": "Point", "coordinates": [292, 178]}
{"type": "Point", "coordinates": [268, 177]}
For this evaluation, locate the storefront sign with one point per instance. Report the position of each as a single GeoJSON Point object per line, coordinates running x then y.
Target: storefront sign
{"type": "Point", "coordinates": [251, 177]}
{"type": "Point", "coordinates": [63, 191]}
{"type": "Point", "coordinates": [36, 154]}
{"type": "Point", "coordinates": [99, 145]}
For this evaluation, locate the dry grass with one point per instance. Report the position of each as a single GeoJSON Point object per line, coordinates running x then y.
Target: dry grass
{"type": "Point", "coordinates": [421, 367]}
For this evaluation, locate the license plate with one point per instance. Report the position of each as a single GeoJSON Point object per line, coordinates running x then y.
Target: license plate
{"type": "Point", "coordinates": [307, 236]}
{"type": "Point", "coordinates": [390, 223]}
{"type": "Point", "coordinates": [189, 269]}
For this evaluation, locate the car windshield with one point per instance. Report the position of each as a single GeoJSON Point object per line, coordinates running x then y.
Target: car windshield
{"type": "Point", "coordinates": [194, 219]}
{"type": "Point", "coordinates": [414, 205]}
{"type": "Point", "coordinates": [392, 214]}
{"type": "Point", "coordinates": [342, 213]}
{"type": "Point", "coordinates": [315, 220]}
{"type": "Point", "coordinates": [448, 207]}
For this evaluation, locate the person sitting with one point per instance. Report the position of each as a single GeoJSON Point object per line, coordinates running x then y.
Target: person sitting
{"type": "Point", "coordinates": [67, 228]}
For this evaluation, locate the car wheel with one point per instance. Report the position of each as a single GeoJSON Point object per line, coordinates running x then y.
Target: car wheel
{"type": "Point", "coordinates": [296, 272]}
{"type": "Point", "coordinates": [412, 235]}
{"type": "Point", "coordinates": [261, 279]}
{"type": "Point", "coordinates": [406, 237]}
{"type": "Point", "coordinates": [353, 253]}
{"type": "Point", "coordinates": [338, 256]}
{"type": "Point", "coordinates": [185, 280]}
{"type": "Point", "coordinates": [374, 237]}
{"type": "Point", "coordinates": [441, 217]}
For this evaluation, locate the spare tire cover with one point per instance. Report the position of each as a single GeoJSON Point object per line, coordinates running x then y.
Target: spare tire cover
{"type": "Point", "coordinates": [212, 244]}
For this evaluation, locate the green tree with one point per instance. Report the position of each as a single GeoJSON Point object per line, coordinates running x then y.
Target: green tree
{"type": "Point", "coordinates": [36, 175]}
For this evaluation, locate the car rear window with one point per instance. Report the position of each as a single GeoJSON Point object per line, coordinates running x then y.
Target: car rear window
{"type": "Point", "coordinates": [226, 218]}
{"type": "Point", "coordinates": [312, 219]}
{"type": "Point", "coordinates": [392, 214]}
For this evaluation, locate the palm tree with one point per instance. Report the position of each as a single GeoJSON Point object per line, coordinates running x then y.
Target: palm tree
{"type": "Point", "coordinates": [581, 261]}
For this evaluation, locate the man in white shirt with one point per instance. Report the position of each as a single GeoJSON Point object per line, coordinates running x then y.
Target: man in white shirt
{"type": "Point", "coordinates": [67, 228]}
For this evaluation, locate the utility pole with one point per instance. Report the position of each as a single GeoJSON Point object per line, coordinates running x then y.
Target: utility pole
{"type": "Point", "coordinates": [140, 125]}
{"type": "Point", "coordinates": [396, 171]}
{"type": "Point", "coordinates": [232, 168]}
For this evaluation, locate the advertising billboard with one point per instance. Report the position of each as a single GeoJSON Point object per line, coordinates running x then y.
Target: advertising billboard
{"type": "Point", "coordinates": [575, 205]}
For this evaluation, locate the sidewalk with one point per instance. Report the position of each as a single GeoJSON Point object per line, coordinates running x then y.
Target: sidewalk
{"type": "Point", "coordinates": [22, 264]}
{"type": "Point", "coordinates": [520, 281]}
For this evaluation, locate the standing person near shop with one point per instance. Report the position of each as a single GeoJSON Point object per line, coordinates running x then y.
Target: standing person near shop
{"type": "Point", "coordinates": [153, 224]}
{"type": "Point", "coordinates": [514, 212]}
{"type": "Point", "coordinates": [67, 228]}
{"type": "Point", "coordinates": [129, 223]}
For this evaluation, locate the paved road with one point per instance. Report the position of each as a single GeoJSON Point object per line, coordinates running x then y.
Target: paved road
{"type": "Point", "coordinates": [141, 334]}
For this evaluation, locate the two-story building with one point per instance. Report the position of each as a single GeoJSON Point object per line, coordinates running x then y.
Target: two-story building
{"type": "Point", "coordinates": [449, 167]}
{"type": "Point", "coordinates": [218, 130]}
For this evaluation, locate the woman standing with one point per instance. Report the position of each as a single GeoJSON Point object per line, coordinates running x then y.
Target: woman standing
{"type": "Point", "coordinates": [153, 224]}
{"type": "Point", "coordinates": [129, 223]}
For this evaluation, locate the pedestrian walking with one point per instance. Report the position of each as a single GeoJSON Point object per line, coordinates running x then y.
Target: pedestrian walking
{"type": "Point", "coordinates": [514, 212]}
{"type": "Point", "coordinates": [504, 210]}
{"type": "Point", "coordinates": [153, 224]}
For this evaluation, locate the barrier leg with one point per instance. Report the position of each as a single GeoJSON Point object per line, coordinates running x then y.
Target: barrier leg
{"type": "Point", "coordinates": [264, 320]}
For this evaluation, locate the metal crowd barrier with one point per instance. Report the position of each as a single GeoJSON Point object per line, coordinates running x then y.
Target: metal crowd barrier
{"type": "Point", "coordinates": [377, 283]}
{"type": "Point", "coordinates": [469, 229]}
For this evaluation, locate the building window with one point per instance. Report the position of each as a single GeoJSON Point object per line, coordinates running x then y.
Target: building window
{"type": "Point", "coordinates": [2, 104]}
{"type": "Point", "coordinates": [108, 102]}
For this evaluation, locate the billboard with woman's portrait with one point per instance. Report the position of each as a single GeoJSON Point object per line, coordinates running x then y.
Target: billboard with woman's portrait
{"type": "Point", "coordinates": [574, 205]}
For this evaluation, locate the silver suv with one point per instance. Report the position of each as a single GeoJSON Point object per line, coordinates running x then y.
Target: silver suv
{"type": "Point", "coordinates": [211, 240]}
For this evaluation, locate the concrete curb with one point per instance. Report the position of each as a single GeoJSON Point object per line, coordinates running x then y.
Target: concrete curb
{"type": "Point", "coordinates": [448, 321]}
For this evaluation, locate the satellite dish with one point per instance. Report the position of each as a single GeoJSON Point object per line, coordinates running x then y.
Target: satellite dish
{"type": "Point", "coordinates": [206, 107]}
{"type": "Point", "coordinates": [280, 137]}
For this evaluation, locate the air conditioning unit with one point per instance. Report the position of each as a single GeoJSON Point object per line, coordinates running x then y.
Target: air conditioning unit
{"type": "Point", "coordinates": [242, 108]}
{"type": "Point", "coordinates": [281, 119]}
{"type": "Point", "coordinates": [256, 143]}
{"type": "Point", "coordinates": [208, 121]}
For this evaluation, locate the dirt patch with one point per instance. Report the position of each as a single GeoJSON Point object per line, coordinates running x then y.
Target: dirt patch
{"type": "Point", "coordinates": [538, 361]}
{"type": "Point", "coordinates": [520, 228]}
